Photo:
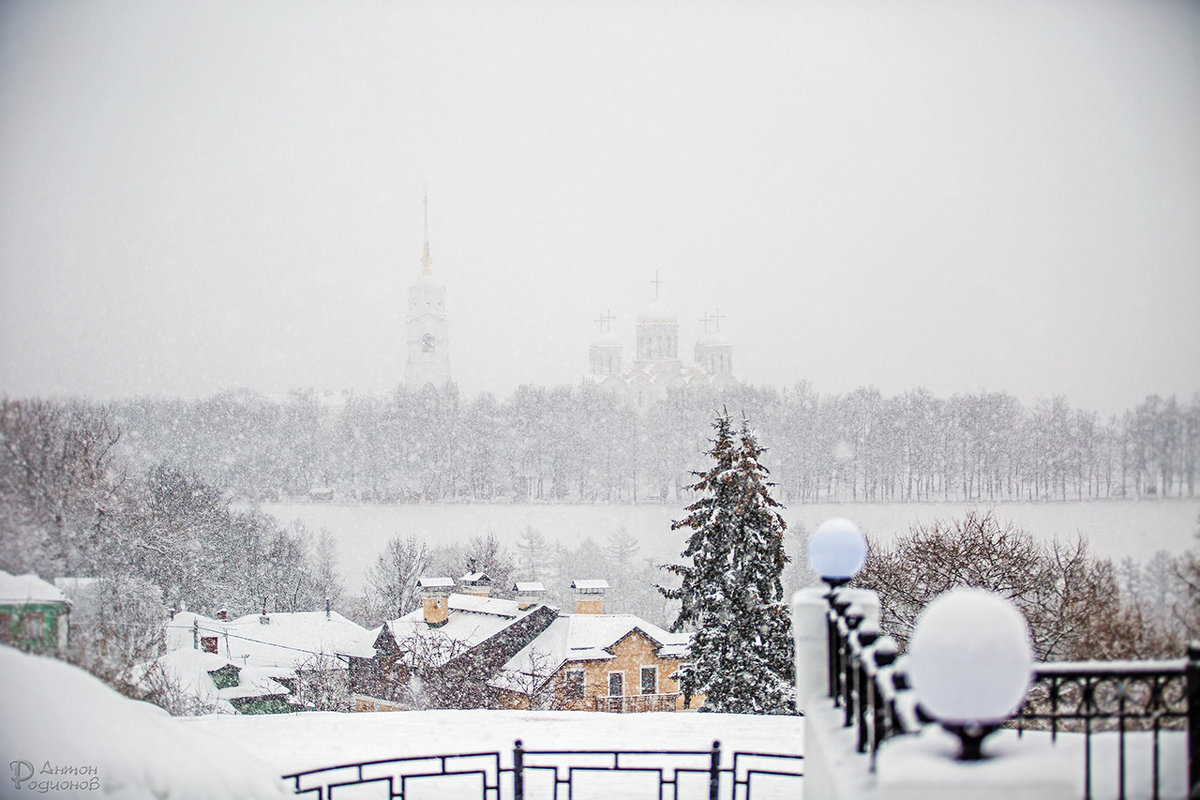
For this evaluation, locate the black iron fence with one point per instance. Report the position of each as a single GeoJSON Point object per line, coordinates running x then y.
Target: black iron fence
{"type": "Point", "coordinates": [1117, 699]}
{"type": "Point", "coordinates": [554, 773]}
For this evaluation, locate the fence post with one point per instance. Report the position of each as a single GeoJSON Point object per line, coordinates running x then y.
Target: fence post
{"type": "Point", "coordinates": [518, 771]}
{"type": "Point", "coordinates": [714, 771]}
{"type": "Point", "coordinates": [1193, 720]}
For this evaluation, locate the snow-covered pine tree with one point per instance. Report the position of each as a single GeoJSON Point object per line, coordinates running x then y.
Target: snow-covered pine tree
{"type": "Point", "coordinates": [732, 592]}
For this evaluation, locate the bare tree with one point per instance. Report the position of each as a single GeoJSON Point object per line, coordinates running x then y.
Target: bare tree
{"type": "Point", "coordinates": [392, 579]}
{"type": "Point", "coordinates": [1071, 600]}
{"type": "Point", "coordinates": [535, 684]}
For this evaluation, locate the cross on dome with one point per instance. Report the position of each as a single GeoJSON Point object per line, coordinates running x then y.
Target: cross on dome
{"type": "Point", "coordinates": [657, 284]}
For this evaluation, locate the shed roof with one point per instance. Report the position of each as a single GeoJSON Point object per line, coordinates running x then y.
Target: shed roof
{"type": "Point", "coordinates": [28, 589]}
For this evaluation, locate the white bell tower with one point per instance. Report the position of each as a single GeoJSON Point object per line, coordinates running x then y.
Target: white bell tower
{"type": "Point", "coordinates": [428, 342]}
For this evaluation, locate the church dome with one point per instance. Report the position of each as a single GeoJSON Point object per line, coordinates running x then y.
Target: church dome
{"type": "Point", "coordinates": [607, 339]}
{"type": "Point", "coordinates": [658, 311]}
{"type": "Point", "coordinates": [714, 339]}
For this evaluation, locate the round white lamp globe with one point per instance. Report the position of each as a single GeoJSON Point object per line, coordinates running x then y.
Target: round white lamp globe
{"type": "Point", "coordinates": [970, 659]}
{"type": "Point", "coordinates": [837, 549]}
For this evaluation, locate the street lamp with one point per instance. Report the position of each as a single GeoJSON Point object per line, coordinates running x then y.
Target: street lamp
{"type": "Point", "coordinates": [837, 551]}
{"type": "Point", "coordinates": [970, 661]}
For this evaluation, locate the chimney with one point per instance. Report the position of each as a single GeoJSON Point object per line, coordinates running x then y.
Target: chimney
{"type": "Point", "coordinates": [327, 609]}
{"type": "Point", "coordinates": [589, 596]}
{"type": "Point", "coordinates": [476, 584]}
{"type": "Point", "coordinates": [529, 593]}
{"type": "Point", "coordinates": [435, 599]}
{"type": "Point", "coordinates": [223, 614]}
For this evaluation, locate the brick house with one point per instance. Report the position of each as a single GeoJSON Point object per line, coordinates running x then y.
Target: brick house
{"type": "Point", "coordinates": [33, 614]}
{"type": "Point", "coordinates": [592, 661]}
{"type": "Point", "coordinates": [469, 650]}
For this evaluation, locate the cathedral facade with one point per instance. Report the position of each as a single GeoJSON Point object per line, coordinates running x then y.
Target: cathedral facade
{"type": "Point", "coordinates": [657, 367]}
{"type": "Point", "coordinates": [428, 342]}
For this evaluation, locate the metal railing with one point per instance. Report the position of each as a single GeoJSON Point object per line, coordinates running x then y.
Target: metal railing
{"type": "Point", "coordinates": [552, 773]}
{"type": "Point", "coordinates": [635, 703]}
{"type": "Point", "coordinates": [868, 681]}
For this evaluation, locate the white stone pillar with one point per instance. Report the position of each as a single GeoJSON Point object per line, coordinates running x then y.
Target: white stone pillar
{"type": "Point", "coordinates": [811, 637]}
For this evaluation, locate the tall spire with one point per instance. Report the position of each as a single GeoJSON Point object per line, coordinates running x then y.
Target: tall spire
{"type": "Point", "coordinates": [426, 261]}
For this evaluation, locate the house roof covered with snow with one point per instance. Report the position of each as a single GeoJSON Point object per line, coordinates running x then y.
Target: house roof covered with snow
{"type": "Point", "coordinates": [191, 671]}
{"type": "Point", "coordinates": [528, 586]}
{"type": "Point", "coordinates": [15, 589]}
{"type": "Point", "coordinates": [587, 637]}
{"type": "Point", "coordinates": [471, 621]}
{"type": "Point", "coordinates": [285, 642]}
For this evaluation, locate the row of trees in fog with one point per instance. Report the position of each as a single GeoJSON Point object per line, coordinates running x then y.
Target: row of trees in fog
{"type": "Point", "coordinates": [584, 444]}
{"type": "Point", "coordinates": [72, 505]}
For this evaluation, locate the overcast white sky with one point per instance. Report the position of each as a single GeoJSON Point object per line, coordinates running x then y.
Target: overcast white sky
{"type": "Point", "coordinates": [1000, 195]}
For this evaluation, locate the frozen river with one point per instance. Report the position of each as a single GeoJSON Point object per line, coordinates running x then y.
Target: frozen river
{"type": "Point", "coordinates": [1114, 528]}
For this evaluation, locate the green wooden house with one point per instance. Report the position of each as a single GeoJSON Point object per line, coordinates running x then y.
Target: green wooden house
{"type": "Point", "coordinates": [33, 614]}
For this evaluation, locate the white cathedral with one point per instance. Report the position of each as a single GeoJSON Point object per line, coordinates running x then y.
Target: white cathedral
{"type": "Point", "coordinates": [428, 342]}
{"type": "Point", "coordinates": [657, 366]}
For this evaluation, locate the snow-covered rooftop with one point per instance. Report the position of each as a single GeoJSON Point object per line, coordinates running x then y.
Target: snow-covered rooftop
{"type": "Point", "coordinates": [191, 670]}
{"type": "Point", "coordinates": [471, 620]}
{"type": "Point", "coordinates": [435, 583]}
{"type": "Point", "coordinates": [586, 637]}
{"type": "Point", "coordinates": [590, 585]}
{"type": "Point", "coordinates": [287, 641]}
{"type": "Point", "coordinates": [28, 589]}
{"type": "Point", "coordinates": [528, 586]}
{"type": "Point", "coordinates": [475, 577]}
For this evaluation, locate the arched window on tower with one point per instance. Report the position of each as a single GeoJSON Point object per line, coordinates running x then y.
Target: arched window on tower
{"type": "Point", "coordinates": [427, 343]}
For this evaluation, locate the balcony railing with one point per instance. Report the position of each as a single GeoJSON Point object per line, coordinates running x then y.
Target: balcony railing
{"type": "Point", "coordinates": [869, 683]}
{"type": "Point", "coordinates": [635, 703]}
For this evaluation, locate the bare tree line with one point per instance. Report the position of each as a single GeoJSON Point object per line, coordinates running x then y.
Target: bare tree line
{"type": "Point", "coordinates": [586, 445]}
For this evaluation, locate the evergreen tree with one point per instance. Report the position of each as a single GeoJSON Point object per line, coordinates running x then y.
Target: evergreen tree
{"type": "Point", "coordinates": [732, 592]}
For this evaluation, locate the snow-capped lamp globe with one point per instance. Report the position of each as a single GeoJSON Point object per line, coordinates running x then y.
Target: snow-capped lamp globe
{"type": "Point", "coordinates": [837, 551]}
{"type": "Point", "coordinates": [970, 662]}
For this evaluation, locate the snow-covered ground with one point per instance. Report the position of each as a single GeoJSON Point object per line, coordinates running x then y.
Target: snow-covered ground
{"type": "Point", "coordinates": [1114, 528]}
{"type": "Point", "coordinates": [303, 741]}
{"type": "Point", "coordinates": [65, 734]}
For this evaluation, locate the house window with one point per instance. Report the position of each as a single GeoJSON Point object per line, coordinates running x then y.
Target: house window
{"type": "Point", "coordinates": [616, 684]}
{"type": "Point", "coordinates": [5, 629]}
{"type": "Point", "coordinates": [573, 684]}
{"type": "Point", "coordinates": [208, 644]}
{"type": "Point", "coordinates": [33, 625]}
{"type": "Point", "coordinates": [427, 343]}
{"type": "Point", "coordinates": [649, 680]}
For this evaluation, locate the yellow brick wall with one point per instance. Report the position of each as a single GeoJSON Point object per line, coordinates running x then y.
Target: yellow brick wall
{"type": "Point", "coordinates": [631, 654]}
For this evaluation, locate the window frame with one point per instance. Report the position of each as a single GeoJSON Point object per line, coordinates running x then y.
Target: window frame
{"type": "Point", "coordinates": [620, 674]}
{"type": "Point", "coordinates": [571, 691]}
{"type": "Point", "coordinates": [648, 668]}
{"type": "Point", "coordinates": [33, 618]}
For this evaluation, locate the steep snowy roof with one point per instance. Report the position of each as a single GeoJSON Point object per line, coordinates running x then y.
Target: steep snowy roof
{"type": "Point", "coordinates": [528, 586]}
{"type": "Point", "coordinates": [471, 620]}
{"type": "Point", "coordinates": [287, 641]}
{"type": "Point", "coordinates": [586, 637]}
{"type": "Point", "coordinates": [475, 577]}
{"type": "Point", "coordinates": [28, 589]}
{"type": "Point", "coordinates": [137, 749]}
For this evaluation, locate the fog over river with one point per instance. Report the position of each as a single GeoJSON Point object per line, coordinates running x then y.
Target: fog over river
{"type": "Point", "coordinates": [1114, 528]}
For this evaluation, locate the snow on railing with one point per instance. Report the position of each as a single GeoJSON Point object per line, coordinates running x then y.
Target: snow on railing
{"type": "Point", "coordinates": [869, 683]}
